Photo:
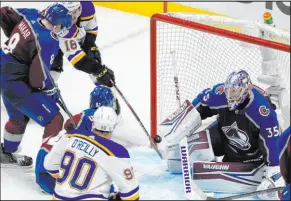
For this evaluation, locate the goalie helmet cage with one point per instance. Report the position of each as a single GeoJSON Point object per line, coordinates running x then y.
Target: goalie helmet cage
{"type": "Point", "coordinates": [207, 48]}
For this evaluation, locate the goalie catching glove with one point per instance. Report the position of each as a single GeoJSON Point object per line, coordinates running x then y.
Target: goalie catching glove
{"type": "Point", "coordinates": [182, 122]}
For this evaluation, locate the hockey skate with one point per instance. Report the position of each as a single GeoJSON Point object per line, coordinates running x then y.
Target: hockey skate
{"type": "Point", "coordinates": [13, 160]}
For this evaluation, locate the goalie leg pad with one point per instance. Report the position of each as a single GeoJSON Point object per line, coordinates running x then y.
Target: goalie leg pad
{"type": "Point", "coordinates": [228, 177]}
{"type": "Point", "coordinates": [181, 123]}
{"type": "Point", "coordinates": [199, 149]}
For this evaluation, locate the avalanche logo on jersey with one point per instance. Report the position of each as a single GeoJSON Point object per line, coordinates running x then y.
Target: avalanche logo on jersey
{"type": "Point", "coordinates": [219, 90]}
{"type": "Point", "coordinates": [237, 137]}
{"type": "Point", "coordinates": [264, 111]}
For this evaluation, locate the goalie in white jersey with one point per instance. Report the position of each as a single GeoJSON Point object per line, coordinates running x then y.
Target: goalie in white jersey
{"type": "Point", "coordinates": [87, 163]}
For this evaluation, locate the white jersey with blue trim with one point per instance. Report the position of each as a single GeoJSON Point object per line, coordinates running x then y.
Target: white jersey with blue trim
{"type": "Point", "coordinates": [86, 165]}
{"type": "Point", "coordinates": [251, 130]}
{"type": "Point", "coordinates": [88, 18]}
{"type": "Point", "coordinates": [71, 39]}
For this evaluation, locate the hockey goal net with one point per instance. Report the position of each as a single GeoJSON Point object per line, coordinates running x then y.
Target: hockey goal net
{"type": "Point", "coordinates": [202, 50]}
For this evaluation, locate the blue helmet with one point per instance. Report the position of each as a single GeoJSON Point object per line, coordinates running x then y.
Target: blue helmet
{"type": "Point", "coordinates": [58, 14]}
{"type": "Point", "coordinates": [101, 96]}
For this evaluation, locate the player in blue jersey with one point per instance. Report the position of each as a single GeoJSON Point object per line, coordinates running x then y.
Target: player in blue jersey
{"type": "Point", "coordinates": [25, 62]}
{"type": "Point", "coordinates": [28, 91]}
{"type": "Point", "coordinates": [100, 96]}
{"type": "Point", "coordinates": [284, 153]}
{"type": "Point", "coordinates": [245, 134]}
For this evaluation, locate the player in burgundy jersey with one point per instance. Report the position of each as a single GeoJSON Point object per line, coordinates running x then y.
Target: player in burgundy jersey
{"type": "Point", "coordinates": [25, 61]}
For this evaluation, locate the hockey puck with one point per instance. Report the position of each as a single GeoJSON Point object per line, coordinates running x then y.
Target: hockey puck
{"type": "Point", "coordinates": [157, 139]}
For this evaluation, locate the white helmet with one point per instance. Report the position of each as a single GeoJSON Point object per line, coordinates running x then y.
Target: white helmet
{"type": "Point", "coordinates": [71, 6]}
{"type": "Point", "coordinates": [104, 119]}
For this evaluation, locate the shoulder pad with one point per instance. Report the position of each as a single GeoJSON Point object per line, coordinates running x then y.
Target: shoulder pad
{"type": "Point", "coordinates": [258, 108]}
{"type": "Point", "coordinates": [214, 98]}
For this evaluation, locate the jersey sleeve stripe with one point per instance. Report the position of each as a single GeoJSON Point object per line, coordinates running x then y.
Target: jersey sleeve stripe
{"type": "Point", "coordinates": [92, 32]}
{"type": "Point", "coordinates": [76, 33]}
{"type": "Point", "coordinates": [70, 58]}
{"type": "Point", "coordinates": [94, 29]}
{"type": "Point", "coordinates": [102, 147]}
{"type": "Point", "coordinates": [53, 171]}
{"type": "Point", "coordinates": [77, 58]}
{"type": "Point", "coordinates": [87, 18]}
{"type": "Point", "coordinates": [132, 195]}
{"type": "Point", "coordinates": [55, 175]}
{"type": "Point", "coordinates": [73, 32]}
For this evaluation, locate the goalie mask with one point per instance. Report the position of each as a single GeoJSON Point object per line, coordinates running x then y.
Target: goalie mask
{"type": "Point", "coordinates": [237, 88]}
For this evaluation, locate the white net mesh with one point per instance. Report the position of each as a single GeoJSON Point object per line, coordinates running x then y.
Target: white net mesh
{"type": "Point", "coordinates": [203, 59]}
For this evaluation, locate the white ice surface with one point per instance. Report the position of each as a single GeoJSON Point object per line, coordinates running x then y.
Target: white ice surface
{"type": "Point", "coordinates": [124, 42]}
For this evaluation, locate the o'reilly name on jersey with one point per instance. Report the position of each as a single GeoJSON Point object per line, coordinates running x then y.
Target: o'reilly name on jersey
{"type": "Point", "coordinates": [215, 167]}
{"type": "Point", "coordinates": [88, 148]}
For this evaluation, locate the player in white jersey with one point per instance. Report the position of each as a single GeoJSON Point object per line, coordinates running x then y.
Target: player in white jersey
{"type": "Point", "coordinates": [87, 163]}
{"type": "Point", "coordinates": [84, 31]}
{"type": "Point", "coordinates": [78, 46]}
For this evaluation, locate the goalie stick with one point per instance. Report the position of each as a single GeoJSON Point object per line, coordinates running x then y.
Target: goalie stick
{"type": "Point", "coordinates": [248, 194]}
{"type": "Point", "coordinates": [176, 80]}
{"type": "Point", "coordinates": [191, 190]}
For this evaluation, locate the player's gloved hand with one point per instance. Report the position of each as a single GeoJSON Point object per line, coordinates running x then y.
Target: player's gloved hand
{"type": "Point", "coordinates": [105, 76]}
{"type": "Point", "coordinates": [272, 178]}
{"type": "Point", "coordinates": [94, 53]}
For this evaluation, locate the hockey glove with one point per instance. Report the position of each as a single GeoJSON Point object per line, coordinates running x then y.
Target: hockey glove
{"type": "Point", "coordinates": [105, 76]}
{"type": "Point", "coordinates": [95, 54]}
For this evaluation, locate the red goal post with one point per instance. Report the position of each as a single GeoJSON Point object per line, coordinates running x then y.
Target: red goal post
{"type": "Point", "coordinates": [193, 28]}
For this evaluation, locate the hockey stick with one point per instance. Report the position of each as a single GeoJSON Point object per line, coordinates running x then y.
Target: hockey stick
{"type": "Point", "coordinates": [249, 194]}
{"type": "Point", "coordinates": [61, 100]}
{"type": "Point", "coordinates": [176, 80]}
{"type": "Point", "coordinates": [139, 121]}
{"type": "Point", "coordinates": [191, 190]}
